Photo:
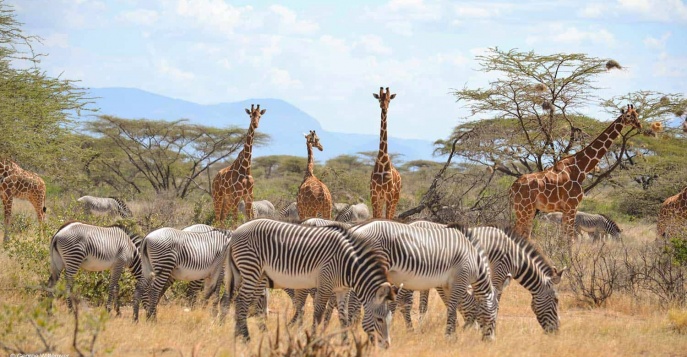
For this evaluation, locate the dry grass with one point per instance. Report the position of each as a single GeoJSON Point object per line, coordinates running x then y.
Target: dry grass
{"type": "Point", "coordinates": [622, 328]}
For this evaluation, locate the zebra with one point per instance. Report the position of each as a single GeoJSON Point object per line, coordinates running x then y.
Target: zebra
{"type": "Point", "coordinates": [303, 257]}
{"type": "Point", "coordinates": [290, 212]}
{"type": "Point", "coordinates": [93, 248]}
{"type": "Point", "coordinates": [354, 213]}
{"type": "Point", "coordinates": [261, 209]}
{"type": "Point", "coordinates": [511, 257]}
{"type": "Point", "coordinates": [596, 225]}
{"type": "Point", "coordinates": [112, 205]}
{"type": "Point", "coordinates": [422, 258]}
{"type": "Point", "coordinates": [168, 253]}
{"type": "Point", "coordinates": [321, 222]}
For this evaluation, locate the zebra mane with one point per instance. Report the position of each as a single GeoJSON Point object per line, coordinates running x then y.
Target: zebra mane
{"type": "Point", "coordinates": [129, 227]}
{"type": "Point", "coordinates": [363, 247]}
{"type": "Point", "coordinates": [68, 223]}
{"type": "Point", "coordinates": [610, 221]}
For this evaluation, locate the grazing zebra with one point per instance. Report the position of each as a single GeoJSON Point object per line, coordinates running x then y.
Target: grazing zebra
{"type": "Point", "coordinates": [512, 258]}
{"type": "Point", "coordinates": [596, 225]}
{"type": "Point", "coordinates": [422, 258]}
{"type": "Point", "coordinates": [261, 209]}
{"type": "Point", "coordinates": [302, 257]}
{"type": "Point", "coordinates": [169, 253]}
{"type": "Point", "coordinates": [78, 245]}
{"type": "Point", "coordinates": [111, 205]}
{"type": "Point", "coordinates": [290, 212]}
{"type": "Point", "coordinates": [354, 213]}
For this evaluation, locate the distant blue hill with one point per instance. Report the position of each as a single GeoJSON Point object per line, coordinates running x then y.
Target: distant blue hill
{"type": "Point", "coordinates": [283, 122]}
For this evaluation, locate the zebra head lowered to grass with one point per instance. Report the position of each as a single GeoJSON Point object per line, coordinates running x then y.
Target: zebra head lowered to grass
{"type": "Point", "coordinates": [169, 253]}
{"type": "Point", "coordinates": [77, 245]}
{"type": "Point", "coordinates": [107, 205]}
{"type": "Point", "coordinates": [513, 257]}
{"type": "Point", "coordinates": [302, 257]}
{"type": "Point", "coordinates": [423, 258]}
{"type": "Point", "coordinates": [354, 213]}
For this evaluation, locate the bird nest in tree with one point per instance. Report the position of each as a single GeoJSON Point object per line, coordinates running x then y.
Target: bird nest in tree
{"type": "Point", "coordinates": [546, 105]}
{"type": "Point", "coordinates": [664, 100]}
{"type": "Point", "coordinates": [613, 64]}
{"type": "Point", "coordinates": [539, 87]}
{"type": "Point", "coordinates": [679, 112]}
{"type": "Point", "coordinates": [656, 127]}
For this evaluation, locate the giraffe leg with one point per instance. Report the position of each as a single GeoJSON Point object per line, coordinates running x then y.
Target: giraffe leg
{"type": "Point", "coordinates": [391, 206]}
{"type": "Point", "coordinates": [524, 219]}
{"type": "Point", "coordinates": [248, 198]}
{"type": "Point", "coordinates": [376, 205]}
{"type": "Point", "coordinates": [7, 203]}
{"type": "Point", "coordinates": [218, 204]}
{"type": "Point", "coordinates": [568, 226]}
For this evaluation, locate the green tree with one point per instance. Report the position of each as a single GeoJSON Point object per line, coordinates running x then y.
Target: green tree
{"type": "Point", "coordinates": [35, 109]}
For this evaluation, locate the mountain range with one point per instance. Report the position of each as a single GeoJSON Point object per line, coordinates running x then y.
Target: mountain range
{"type": "Point", "coordinates": [283, 122]}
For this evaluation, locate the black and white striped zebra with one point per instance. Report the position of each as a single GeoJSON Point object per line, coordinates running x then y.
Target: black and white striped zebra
{"type": "Point", "coordinates": [111, 205]}
{"type": "Point", "coordinates": [77, 245]}
{"type": "Point", "coordinates": [596, 225]}
{"type": "Point", "coordinates": [261, 209]}
{"type": "Point", "coordinates": [354, 213]}
{"type": "Point", "coordinates": [168, 253]}
{"type": "Point", "coordinates": [302, 257]}
{"type": "Point", "coordinates": [290, 212]}
{"type": "Point", "coordinates": [510, 257]}
{"type": "Point", "coordinates": [423, 258]}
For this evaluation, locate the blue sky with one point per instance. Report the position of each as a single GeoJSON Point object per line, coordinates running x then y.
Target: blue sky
{"type": "Point", "coordinates": [328, 57]}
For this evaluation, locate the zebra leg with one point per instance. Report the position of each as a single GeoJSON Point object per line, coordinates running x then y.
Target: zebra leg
{"type": "Point", "coordinates": [162, 277]}
{"type": "Point", "coordinates": [456, 292]}
{"type": "Point", "coordinates": [298, 298]}
{"type": "Point", "coordinates": [113, 296]}
{"type": "Point", "coordinates": [191, 292]}
{"type": "Point", "coordinates": [71, 268]}
{"type": "Point", "coordinates": [246, 294]}
{"type": "Point", "coordinates": [322, 296]}
{"type": "Point", "coordinates": [341, 300]}
{"type": "Point", "coordinates": [424, 302]}
{"type": "Point", "coordinates": [405, 298]}
{"type": "Point", "coordinates": [141, 288]}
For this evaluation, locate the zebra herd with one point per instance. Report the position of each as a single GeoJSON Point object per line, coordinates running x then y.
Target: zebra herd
{"type": "Point", "coordinates": [375, 265]}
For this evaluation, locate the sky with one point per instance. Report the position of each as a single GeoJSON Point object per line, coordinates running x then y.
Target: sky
{"type": "Point", "coordinates": [328, 57]}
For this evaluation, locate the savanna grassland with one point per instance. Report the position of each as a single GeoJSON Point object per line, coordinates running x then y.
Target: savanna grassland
{"type": "Point", "coordinates": [628, 322]}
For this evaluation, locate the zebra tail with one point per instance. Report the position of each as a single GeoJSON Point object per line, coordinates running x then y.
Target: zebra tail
{"type": "Point", "coordinates": [56, 262]}
{"type": "Point", "coordinates": [229, 269]}
{"type": "Point", "coordinates": [148, 271]}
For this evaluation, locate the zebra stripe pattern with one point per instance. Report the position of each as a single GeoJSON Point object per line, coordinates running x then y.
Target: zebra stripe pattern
{"type": "Point", "coordinates": [596, 225]}
{"type": "Point", "coordinates": [354, 213]}
{"type": "Point", "coordinates": [421, 259]}
{"type": "Point", "coordinates": [112, 205]}
{"type": "Point", "coordinates": [169, 253]}
{"type": "Point", "coordinates": [301, 257]}
{"type": "Point", "coordinates": [78, 245]}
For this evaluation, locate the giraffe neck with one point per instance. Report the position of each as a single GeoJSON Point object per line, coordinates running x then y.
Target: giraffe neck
{"type": "Point", "coordinates": [587, 159]}
{"type": "Point", "coordinates": [248, 147]}
{"type": "Point", "coordinates": [311, 162]}
{"type": "Point", "coordinates": [383, 144]}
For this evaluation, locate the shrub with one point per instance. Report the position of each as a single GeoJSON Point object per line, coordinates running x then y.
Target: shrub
{"type": "Point", "coordinates": [678, 320]}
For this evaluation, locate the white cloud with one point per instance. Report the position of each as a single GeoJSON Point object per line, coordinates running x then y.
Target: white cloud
{"type": "Point", "coordinates": [557, 33]}
{"type": "Point", "coordinates": [374, 44]}
{"type": "Point", "coordinates": [657, 10]}
{"type": "Point", "coordinates": [60, 40]}
{"type": "Point", "coordinates": [176, 74]}
{"type": "Point", "coordinates": [593, 10]}
{"type": "Point", "coordinates": [401, 16]}
{"type": "Point", "coordinates": [477, 12]}
{"type": "Point", "coordinates": [657, 43]}
{"type": "Point", "coordinates": [281, 79]}
{"type": "Point", "coordinates": [216, 15]}
{"type": "Point", "coordinates": [142, 17]}
{"type": "Point", "coordinates": [291, 23]}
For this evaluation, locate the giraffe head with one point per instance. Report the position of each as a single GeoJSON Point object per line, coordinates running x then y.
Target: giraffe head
{"type": "Point", "coordinates": [255, 114]}
{"type": "Point", "coordinates": [629, 116]}
{"type": "Point", "coordinates": [313, 140]}
{"type": "Point", "coordinates": [384, 98]}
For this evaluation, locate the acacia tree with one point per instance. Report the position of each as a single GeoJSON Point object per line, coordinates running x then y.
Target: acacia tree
{"type": "Point", "coordinates": [530, 116]}
{"type": "Point", "coordinates": [167, 156]}
{"type": "Point", "coordinates": [35, 108]}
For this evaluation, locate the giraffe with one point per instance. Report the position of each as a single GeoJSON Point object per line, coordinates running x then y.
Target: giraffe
{"type": "Point", "coordinates": [235, 182]}
{"type": "Point", "coordinates": [559, 188]}
{"type": "Point", "coordinates": [672, 217]}
{"type": "Point", "coordinates": [16, 182]}
{"type": "Point", "coordinates": [313, 194]}
{"type": "Point", "coordinates": [385, 183]}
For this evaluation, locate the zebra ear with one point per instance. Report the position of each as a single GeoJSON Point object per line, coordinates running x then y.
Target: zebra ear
{"type": "Point", "coordinates": [385, 292]}
{"type": "Point", "coordinates": [506, 281]}
{"type": "Point", "coordinates": [557, 274]}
